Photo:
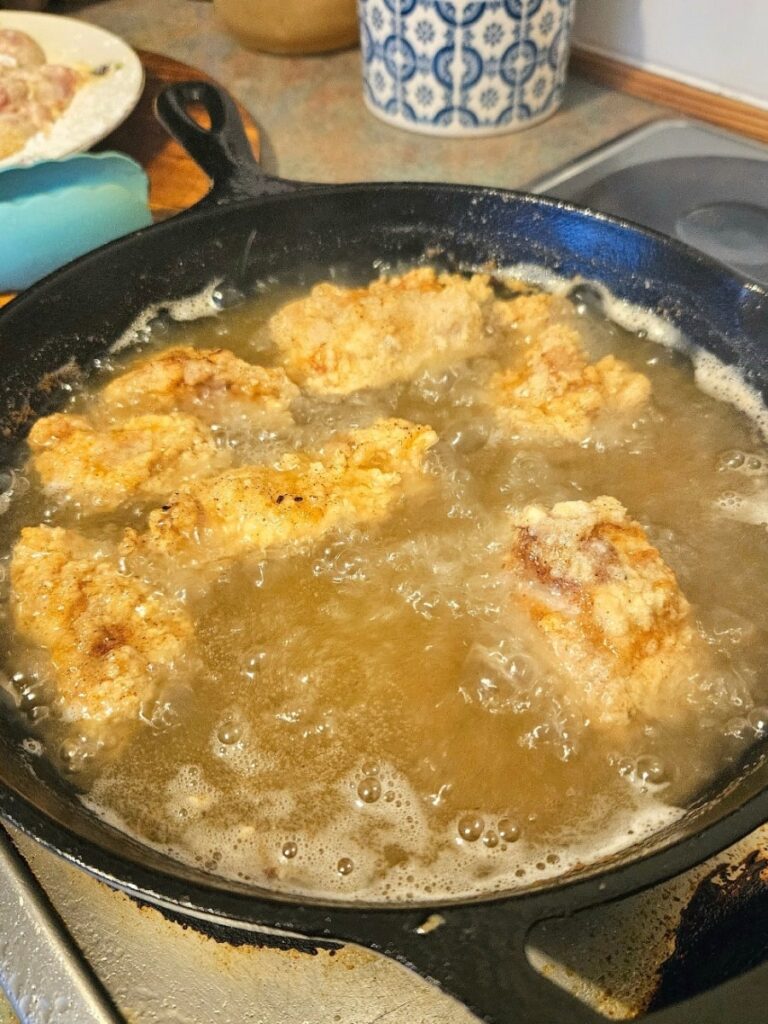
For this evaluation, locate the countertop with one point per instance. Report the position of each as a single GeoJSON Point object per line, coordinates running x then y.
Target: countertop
{"type": "Point", "coordinates": [315, 127]}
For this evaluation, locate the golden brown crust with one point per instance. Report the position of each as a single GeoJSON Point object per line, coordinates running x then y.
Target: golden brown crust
{"type": "Point", "coordinates": [109, 636]}
{"type": "Point", "coordinates": [196, 379]}
{"type": "Point", "coordinates": [141, 457]}
{"type": "Point", "coordinates": [337, 340]}
{"type": "Point", "coordinates": [355, 478]}
{"type": "Point", "coordinates": [552, 391]}
{"type": "Point", "coordinates": [607, 605]}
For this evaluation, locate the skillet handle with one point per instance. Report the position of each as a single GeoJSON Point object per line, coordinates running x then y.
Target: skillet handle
{"type": "Point", "coordinates": [475, 953]}
{"type": "Point", "coordinates": [223, 150]}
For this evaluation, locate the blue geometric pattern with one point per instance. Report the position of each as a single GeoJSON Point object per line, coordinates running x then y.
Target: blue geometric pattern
{"type": "Point", "coordinates": [467, 64]}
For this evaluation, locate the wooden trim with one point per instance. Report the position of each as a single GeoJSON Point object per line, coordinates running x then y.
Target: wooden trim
{"type": "Point", "coordinates": [735, 115]}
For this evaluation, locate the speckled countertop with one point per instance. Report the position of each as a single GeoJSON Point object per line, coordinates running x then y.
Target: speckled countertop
{"type": "Point", "coordinates": [313, 122]}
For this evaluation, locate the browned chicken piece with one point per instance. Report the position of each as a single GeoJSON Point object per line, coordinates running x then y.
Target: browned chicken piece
{"type": "Point", "coordinates": [111, 639]}
{"type": "Point", "coordinates": [32, 93]}
{"type": "Point", "coordinates": [528, 315]}
{"type": "Point", "coordinates": [356, 477]}
{"type": "Point", "coordinates": [552, 392]}
{"type": "Point", "coordinates": [142, 457]}
{"type": "Point", "coordinates": [14, 130]}
{"type": "Point", "coordinates": [337, 340]}
{"type": "Point", "coordinates": [615, 623]}
{"type": "Point", "coordinates": [18, 50]}
{"type": "Point", "coordinates": [205, 382]}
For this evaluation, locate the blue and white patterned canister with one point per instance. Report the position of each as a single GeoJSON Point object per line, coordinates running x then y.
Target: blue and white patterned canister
{"type": "Point", "coordinates": [464, 68]}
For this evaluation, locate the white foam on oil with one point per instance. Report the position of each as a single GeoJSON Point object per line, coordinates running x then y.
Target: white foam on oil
{"type": "Point", "coordinates": [632, 318]}
{"type": "Point", "coordinates": [745, 508]}
{"type": "Point", "coordinates": [193, 307]}
{"type": "Point", "coordinates": [726, 384]}
{"type": "Point", "coordinates": [341, 862]}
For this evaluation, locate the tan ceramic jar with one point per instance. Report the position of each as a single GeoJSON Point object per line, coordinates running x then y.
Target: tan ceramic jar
{"type": "Point", "coordinates": [291, 26]}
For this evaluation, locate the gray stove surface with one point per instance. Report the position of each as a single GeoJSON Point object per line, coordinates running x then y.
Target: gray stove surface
{"type": "Point", "coordinates": [704, 186]}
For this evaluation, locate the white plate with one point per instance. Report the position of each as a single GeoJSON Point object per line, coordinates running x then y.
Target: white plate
{"type": "Point", "coordinates": [100, 105]}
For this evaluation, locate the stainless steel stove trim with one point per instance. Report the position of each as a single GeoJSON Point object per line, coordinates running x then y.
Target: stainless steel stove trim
{"type": "Point", "coordinates": [42, 972]}
{"type": "Point", "coordinates": [727, 143]}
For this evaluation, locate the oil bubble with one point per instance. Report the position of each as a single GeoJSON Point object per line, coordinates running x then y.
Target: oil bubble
{"type": "Point", "coordinates": [161, 322]}
{"type": "Point", "coordinates": [508, 830]}
{"type": "Point", "coordinates": [651, 770]}
{"type": "Point", "coordinates": [470, 827]}
{"type": "Point", "coordinates": [226, 295]}
{"type": "Point", "coordinates": [228, 733]}
{"type": "Point", "coordinates": [345, 866]}
{"type": "Point", "coordinates": [758, 719]}
{"type": "Point", "coordinates": [733, 459]}
{"type": "Point", "coordinates": [369, 790]}
{"type": "Point", "coordinates": [490, 839]}
{"type": "Point", "coordinates": [289, 850]}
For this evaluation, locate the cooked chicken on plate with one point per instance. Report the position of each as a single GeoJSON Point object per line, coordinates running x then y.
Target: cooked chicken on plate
{"type": "Point", "coordinates": [33, 94]}
{"type": "Point", "coordinates": [355, 478]}
{"type": "Point", "coordinates": [337, 340]}
{"type": "Point", "coordinates": [19, 50]}
{"type": "Point", "coordinates": [109, 636]}
{"type": "Point", "coordinates": [206, 381]}
{"type": "Point", "coordinates": [552, 391]}
{"type": "Point", "coordinates": [609, 609]}
{"type": "Point", "coordinates": [140, 457]}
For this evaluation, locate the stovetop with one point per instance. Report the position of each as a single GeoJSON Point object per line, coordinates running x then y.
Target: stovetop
{"type": "Point", "coordinates": [710, 189]}
{"type": "Point", "coordinates": [704, 186]}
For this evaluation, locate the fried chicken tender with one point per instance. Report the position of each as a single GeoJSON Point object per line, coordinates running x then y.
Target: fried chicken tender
{"type": "Point", "coordinates": [197, 380]}
{"type": "Point", "coordinates": [553, 392]}
{"type": "Point", "coordinates": [528, 315]}
{"type": "Point", "coordinates": [337, 340]}
{"type": "Point", "coordinates": [355, 478]}
{"type": "Point", "coordinates": [610, 610]}
{"type": "Point", "coordinates": [142, 457]}
{"type": "Point", "coordinates": [110, 637]}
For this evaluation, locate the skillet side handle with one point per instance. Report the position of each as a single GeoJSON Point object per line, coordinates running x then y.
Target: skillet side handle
{"type": "Point", "coordinates": [479, 958]}
{"type": "Point", "coordinates": [223, 150]}
{"type": "Point", "coordinates": [477, 955]}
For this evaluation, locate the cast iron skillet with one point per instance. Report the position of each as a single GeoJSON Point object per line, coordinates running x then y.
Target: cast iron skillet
{"type": "Point", "coordinates": [250, 226]}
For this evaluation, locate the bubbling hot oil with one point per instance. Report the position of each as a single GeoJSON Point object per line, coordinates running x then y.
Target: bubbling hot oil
{"type": "Point", "coordinates": [363, 718]}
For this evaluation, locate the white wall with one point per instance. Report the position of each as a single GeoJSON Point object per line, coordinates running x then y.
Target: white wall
{"type": "Point", "coordinates": [718, 45]}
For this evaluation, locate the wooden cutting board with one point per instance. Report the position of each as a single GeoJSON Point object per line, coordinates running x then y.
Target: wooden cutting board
{"type": "Point", "coordinates": [175, 180]}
